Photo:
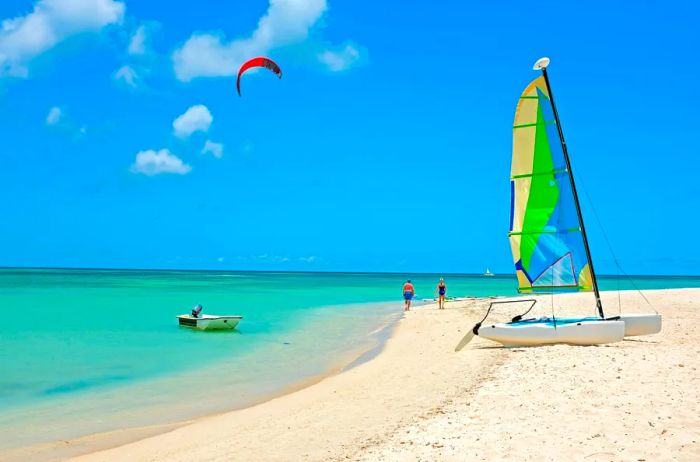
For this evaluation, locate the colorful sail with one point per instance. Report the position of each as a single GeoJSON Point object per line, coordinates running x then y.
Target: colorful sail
{"type": "Point", "coordinates": [545, 234]}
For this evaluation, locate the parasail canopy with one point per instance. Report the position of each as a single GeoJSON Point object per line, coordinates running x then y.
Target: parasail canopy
{"type": "Point", "coordinates": [545, 233]}
{"type": "Point", "coordinates": [260, 61]}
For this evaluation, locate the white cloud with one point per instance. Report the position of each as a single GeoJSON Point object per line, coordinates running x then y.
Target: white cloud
{"type": "Point", "coordinates": [152, 163]}
{"type": "Point", "coordinates": [137, 44]}
{"type": "Point", "coordinates": [340, 60]}
{"type": "Point", "coordinates": [309, 259]}
{"type": "Point", "coordinates": [215, 149]}
{"type": "Point", "coordinates": [50, 22]}
{"type": "Point", "coordinates": [196, 118]}
{"type": "Point", "coordinates": [210, 55]}
{"type": "Point", "coordinates": [128, 75]}
{"type": "Point", "coordinates": [270, 258]}
{"type": "Point", "coordinates": [55, 115]}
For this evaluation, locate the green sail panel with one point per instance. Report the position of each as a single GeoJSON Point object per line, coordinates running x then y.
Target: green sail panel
{"type": "Point", "coordinates": [545, 235]}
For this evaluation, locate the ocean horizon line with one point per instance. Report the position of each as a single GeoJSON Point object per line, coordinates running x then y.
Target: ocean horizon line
{"type": "Point", "coordinates": [195, 270]}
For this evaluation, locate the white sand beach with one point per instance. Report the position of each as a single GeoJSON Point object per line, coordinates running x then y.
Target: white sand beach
{"type": "Point", "coordinates": [419, 400]}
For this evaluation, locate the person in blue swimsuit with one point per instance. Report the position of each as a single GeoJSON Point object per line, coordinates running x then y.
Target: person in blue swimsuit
{"type": "Point", "coordinates": [408, 293]}
{"type": "Point", "coordinates": [441, 290]}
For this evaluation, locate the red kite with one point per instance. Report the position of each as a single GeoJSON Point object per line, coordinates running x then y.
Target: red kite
{"type": "Point", "coordinates": [260, 61]}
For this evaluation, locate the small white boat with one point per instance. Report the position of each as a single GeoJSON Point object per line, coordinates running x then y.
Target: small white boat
{"type": "Point", "coordinates": [209, 322]}
{"type": "Point", "coordinates": [547, 331]}
{"type": "Point", "coordinates": [488, 273]}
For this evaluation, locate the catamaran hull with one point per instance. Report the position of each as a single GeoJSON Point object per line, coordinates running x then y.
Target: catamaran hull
{"type": "Point", "coordinates": [641, 324]}
{"type": "Point", "coordinates": [209, 322]}
{"type": "Point", "coordinates": [575, 333]}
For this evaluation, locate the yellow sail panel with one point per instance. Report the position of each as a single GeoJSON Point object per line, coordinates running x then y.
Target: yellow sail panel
{"type": "Point", "coordinates": [584, 278]}
{"type": "Point", "coordinates": [523, 137]}
{"type": "Point", "coordinates": [520, 191]}
{"type": "Point", "coordinates": [523, 282]}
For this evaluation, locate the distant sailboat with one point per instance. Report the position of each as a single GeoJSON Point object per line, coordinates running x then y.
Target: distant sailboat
{"type": "Point", "coordinates": [547, 234]}
{"type": "Point", "coordinates": [488, 273]}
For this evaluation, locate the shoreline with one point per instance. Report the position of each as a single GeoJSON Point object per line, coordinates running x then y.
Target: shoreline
{"type": "Point", "coordinates": [64, 449]}
{"type": "Point", "coordinates": [417, 399]}
{"type": "Point", "coordinates": [306, 399]}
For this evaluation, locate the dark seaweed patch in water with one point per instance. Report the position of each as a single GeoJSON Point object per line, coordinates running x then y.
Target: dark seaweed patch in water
{"type": "Point", "coordinates": [83, 384]}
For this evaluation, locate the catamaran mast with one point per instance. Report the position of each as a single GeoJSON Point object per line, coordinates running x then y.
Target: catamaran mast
{"type": "Point", "coordinates": [542, 65]}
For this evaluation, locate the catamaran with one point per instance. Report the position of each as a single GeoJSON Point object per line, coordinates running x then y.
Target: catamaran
{"type": "Point", "coordinates": [488, 273]}
{"type": "Point", "coordinates": [547, 234]}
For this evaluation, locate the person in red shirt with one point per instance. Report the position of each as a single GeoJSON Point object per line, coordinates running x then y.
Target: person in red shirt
{"type": "Point", "coordinates": [408, 293]}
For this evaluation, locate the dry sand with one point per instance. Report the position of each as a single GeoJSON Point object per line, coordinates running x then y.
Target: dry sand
{"type": "Point", "coordinates": [419, 400]}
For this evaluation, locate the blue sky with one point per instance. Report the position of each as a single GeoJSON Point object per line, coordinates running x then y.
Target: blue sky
{"type": "Point", "coordinates": [385, 147]}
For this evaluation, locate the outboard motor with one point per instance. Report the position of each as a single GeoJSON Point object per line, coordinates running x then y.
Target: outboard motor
{"type": "Point", "coordinates": [196, 310]}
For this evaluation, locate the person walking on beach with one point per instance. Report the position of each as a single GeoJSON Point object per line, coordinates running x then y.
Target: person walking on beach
{"type": "Point", "coordinates": [408, 293]}
{"type": "Point", "coordinates": [441, 290]}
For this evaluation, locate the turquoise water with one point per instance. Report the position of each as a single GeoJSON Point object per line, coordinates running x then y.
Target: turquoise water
{"type": "Point", "coordinates": [84, 351]}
